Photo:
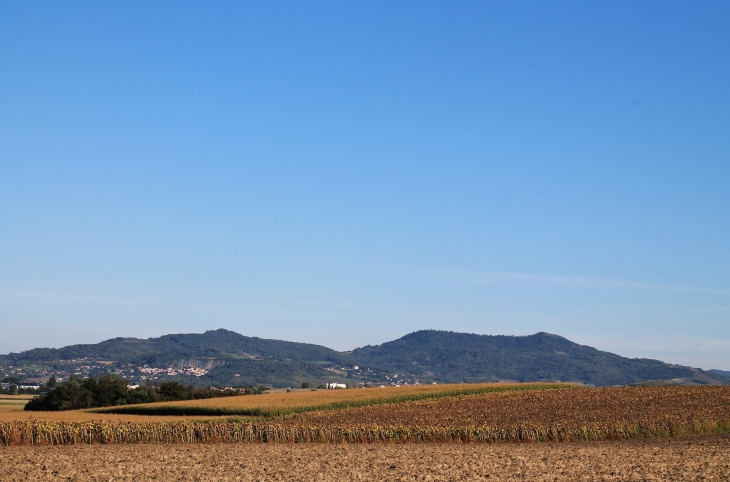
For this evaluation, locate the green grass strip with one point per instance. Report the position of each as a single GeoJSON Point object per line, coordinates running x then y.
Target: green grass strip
{"type": "Point", "coordinates": [267, 413]}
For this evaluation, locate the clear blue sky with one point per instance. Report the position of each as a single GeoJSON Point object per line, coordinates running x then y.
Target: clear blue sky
{"type": "Point", "coordinates": [345, 173]}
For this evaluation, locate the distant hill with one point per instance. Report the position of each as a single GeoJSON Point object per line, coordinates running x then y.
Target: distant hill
{"type": "Point", "coordinates": [456, 357]}
{"type": "Point", "coordinates": [223, 357]}
{"type": "Point", "coordinates": [214, 343]}
{"type": "Point", "coordinates": [226, 357]}
{"type": "Point", "coordinates": [724, 373]}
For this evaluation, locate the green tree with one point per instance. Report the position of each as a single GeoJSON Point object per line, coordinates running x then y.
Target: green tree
{"type": "Point", "coordinates": [173, 390]}
{"type": "Point", "coordinates": [107, 390]}
{"type": "Point", "coordinates": [66, 396]}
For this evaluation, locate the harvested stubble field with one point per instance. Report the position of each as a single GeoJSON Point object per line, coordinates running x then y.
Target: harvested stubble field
{"type": "Point", "coordinates": [680, 459]}
{"type": "Point", "coordinates": [12, 411]}
{"type": "Point", "coordinates": [544, 415]}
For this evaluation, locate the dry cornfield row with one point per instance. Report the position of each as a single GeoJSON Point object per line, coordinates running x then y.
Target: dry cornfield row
{"type": "Point", "coordinates": [73, 433]}
{"type": "Point", "coordinates": [553, 415]}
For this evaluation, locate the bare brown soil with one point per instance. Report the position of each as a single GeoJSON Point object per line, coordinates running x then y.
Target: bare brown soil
{"type": "Point", "coordinates": [680, 459]}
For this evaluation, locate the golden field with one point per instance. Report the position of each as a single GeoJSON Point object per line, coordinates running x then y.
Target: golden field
{"type": "Point", "coordinates": [11, 410]}
{"type": "Point", "coordinates": [280, 403]}
{"type": "Point", "coordinates": [266, 402]}
{"type": "Point", "coordinates": [15, 413]}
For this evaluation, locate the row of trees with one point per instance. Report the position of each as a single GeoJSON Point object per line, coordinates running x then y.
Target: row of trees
{"type": "Point", "coordinates": [107, 391]}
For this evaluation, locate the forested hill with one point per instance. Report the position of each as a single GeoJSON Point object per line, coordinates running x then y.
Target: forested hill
{"type": "Point", "coordinates": [212, 344]}
{"type": "Point", "coordinates": [455, 357]}
{"type": "Point", "coordinates": [217, 357]}
{"type": "Point", "coordinates": [223, 357]}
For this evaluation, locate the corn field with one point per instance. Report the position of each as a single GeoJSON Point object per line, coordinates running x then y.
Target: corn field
{"type": "Point", "coordinates": [274, 405]}
{"type": "Point", "coordinates": [563, 408]}
{"type": "Point", "coordinates": [535, 416]}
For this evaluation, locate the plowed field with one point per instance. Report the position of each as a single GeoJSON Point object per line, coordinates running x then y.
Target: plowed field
{"type": "Point", "coordinates": [677, 459]}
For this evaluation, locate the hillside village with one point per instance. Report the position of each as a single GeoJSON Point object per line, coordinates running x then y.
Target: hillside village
{"type": "Point", "coordinates": [30, 378]}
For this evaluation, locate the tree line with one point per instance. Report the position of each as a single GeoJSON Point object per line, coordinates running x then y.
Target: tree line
{"type": "Point", "coordinates": [110, 390]}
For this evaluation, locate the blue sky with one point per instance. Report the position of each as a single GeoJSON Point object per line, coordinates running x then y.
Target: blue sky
{"type": "Point", "coordinates": [346, 173]}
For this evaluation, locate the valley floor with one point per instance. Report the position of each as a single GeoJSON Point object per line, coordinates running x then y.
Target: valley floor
{"type": "Point", "coordinates": [681, 459]}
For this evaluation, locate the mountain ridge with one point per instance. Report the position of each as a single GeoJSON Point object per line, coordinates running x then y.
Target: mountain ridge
{"type": "Point", "coordinates": [224, 357]}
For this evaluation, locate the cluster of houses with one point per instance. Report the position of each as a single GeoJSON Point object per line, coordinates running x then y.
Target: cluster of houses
{"type": "Point", "coordinates": [21, 386]}
{"type": "Point", "coordinates": [198, 372]}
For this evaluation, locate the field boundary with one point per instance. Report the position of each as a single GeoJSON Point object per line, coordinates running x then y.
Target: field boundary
{"type": "Point", "coordinates": [267, 413]}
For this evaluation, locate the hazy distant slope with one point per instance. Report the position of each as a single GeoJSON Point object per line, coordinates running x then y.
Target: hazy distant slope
{"type": "Point", "coordinates": [455, 357]}
{"type": "Point", "coordinates": [724, 373]}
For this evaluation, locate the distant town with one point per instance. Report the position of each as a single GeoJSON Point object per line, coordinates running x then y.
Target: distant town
{"type": "Point", "coordinates": [29, 379]}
